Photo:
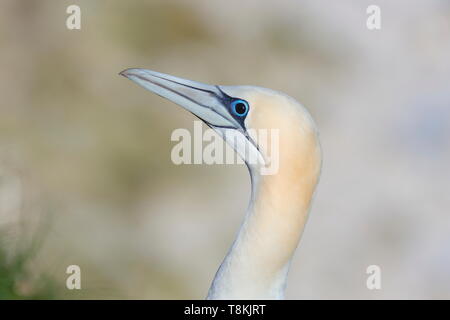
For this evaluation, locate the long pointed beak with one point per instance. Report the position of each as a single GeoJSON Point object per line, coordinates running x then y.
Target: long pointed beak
{"type": "Point", "coordinates": [207, 102]}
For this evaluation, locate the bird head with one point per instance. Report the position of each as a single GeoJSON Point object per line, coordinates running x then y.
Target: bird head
{"type": "Point", "coordinates": [237, 113]}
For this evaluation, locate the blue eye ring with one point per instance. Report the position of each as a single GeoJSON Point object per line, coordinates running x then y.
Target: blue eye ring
{"type": "Point", "coordinates": [240, 107]}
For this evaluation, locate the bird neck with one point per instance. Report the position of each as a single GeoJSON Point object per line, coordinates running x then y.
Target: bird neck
{"type": "Point", "coordinates": [257, 264]}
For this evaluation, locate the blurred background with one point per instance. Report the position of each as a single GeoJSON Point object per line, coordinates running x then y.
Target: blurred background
{"type": "Point", "coordinates": [85, 170]}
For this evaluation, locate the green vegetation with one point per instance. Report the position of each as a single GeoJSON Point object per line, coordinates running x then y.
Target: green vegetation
{"type": "Point", "coordinates": [17, 281]}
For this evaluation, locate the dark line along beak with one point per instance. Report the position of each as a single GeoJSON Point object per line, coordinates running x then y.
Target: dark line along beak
{"type": "Point", "coordinates": [207, 102]}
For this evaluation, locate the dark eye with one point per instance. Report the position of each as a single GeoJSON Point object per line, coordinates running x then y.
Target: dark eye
{"type": "Point", "coordinates": [239, 108]}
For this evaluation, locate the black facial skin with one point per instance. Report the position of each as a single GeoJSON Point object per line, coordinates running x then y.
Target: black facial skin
{"type": "Point", "coordinates": [227, 101]}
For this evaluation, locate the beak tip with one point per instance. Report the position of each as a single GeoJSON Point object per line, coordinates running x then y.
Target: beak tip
{"type": "Point", "coordinates": [123, 73]}
{"type": "Point", "coordinates": [127, 72]}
